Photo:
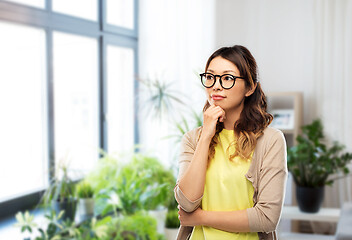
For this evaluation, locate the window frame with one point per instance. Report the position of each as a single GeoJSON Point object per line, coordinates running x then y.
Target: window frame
{"type": "Point", "coordinates": [105, 34]}
{"type": "Point", "coordinates": [118, 42]}
{"type": "Point", "coordinates": [116, 29]}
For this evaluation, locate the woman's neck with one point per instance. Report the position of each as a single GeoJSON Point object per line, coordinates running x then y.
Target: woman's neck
{"type": "Point", "coordinates": [231, 118]}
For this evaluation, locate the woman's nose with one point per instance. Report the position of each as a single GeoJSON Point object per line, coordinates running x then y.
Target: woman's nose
{"type": "Point", "coordinates": [217, 84]}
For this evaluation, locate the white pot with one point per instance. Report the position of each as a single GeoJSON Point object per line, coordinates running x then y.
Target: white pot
{"type": "Point", "coordinates": [86, 208]}
{"type": "Point", "coordinates": [171, 233]}
{"type": "Point", "coordinates": [160, 216]}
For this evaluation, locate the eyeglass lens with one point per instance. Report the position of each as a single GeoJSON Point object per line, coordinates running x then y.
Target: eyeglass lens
{"type": "Point", "coordinates": [226, 81]}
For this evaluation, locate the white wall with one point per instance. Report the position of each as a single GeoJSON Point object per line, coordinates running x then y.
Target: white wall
{"type": "Point", "coordinates": [280, 35]}
{"type": "Point", "coordinates": [175, 40]}
{"type": "Point", "coordinates": [301, 45]}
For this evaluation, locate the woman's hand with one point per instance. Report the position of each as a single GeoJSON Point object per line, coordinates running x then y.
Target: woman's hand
{"type": "Point", "coordinates": [190, 219]}
{"type": "Point", "coordinates": [210, 119]}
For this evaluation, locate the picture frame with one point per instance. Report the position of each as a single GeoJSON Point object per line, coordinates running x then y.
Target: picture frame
{"type": "Point", "coordinates": [283, 119]}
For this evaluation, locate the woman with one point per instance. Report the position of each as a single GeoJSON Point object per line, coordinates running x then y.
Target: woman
{"type": "Point", "coordinates": [232, 170]}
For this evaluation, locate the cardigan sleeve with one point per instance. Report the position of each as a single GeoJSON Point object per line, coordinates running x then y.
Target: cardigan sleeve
{"type": "Point", "coordinates": [187, 149]}
{"type": "Point", "coordinates": [265, 214]}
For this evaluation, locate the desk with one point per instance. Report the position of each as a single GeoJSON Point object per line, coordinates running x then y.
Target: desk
{"type": "Point", "coordinates": [324, 215]}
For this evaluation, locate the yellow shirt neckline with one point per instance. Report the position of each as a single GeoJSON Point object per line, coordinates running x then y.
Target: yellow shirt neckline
{"type": "Point", "coordinates": [227, 131]}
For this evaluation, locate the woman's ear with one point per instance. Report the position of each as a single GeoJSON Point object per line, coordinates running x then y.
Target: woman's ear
{"type": "Point", "coordinates": [251, 91]}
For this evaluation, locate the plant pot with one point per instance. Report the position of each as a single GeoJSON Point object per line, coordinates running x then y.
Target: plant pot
{"type": "Point", "coordinates": [160, 216]}
{"type": "Point", "coordinates": [171, 233]}
{"type": "Point", "coordinates": [68, 206]}
{"type": "Point", "coordinates": [86, 208]}
{"type": "Point", "coordinates": [309, 199]}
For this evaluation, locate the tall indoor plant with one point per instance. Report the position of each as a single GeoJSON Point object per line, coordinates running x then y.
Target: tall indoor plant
{"type": "Point", "coordinates": [312, 164]}
{"type": "Point", "coordinates": [60, 195]}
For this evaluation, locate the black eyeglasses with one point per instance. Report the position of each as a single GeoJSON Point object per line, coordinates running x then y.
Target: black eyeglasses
{"type": "Point", "coordinates": [227, 81]}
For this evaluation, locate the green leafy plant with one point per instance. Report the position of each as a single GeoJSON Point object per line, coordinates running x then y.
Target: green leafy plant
{"type": "Point", "coordinates": [312, 162]}
{"type": "Point", "coordinates": [136, 226]}
{"type": "Point", "coordinates": [129, 187]}
{"type": "Point", "coordinates": [172, 220]}
{"type": "Point", "coordinates": [60, 195]}
{"type": "Point", "coordinates": [25, 221]}
{"type": "Point", "coordinates": [159, 183]}
{"type": "Point", "coordinates": [161, 97]}
{"type": "Point", "coordinates": [104, 183]}
{"type": "Point", "coordinates": [60, 189]}
{"type": "Point", "coordinates": [183, 126]}
{"type": "Point", "coordinates": [84, 190]}
{"type": "Point", "coordinates": [141, 184]}
{"type": "Point", "coordinates": [54, 230]}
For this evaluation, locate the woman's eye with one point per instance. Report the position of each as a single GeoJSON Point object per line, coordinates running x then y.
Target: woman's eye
{"type": "Point", "coordinates": [209, 77]}
{"type": "Point", "coordinates": [228, 78]}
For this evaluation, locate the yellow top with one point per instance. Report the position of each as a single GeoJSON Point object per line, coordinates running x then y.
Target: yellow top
{"type": "Point", "coordinates": [226, 189]}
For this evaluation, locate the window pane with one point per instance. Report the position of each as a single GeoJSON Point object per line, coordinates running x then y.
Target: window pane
{"type": "Point", "coordinates": [23, 141]}
{"type": "Point", "coordinates": [78, 8]}
{"type": "Point", "coordinates": [76, 102]}
{"type": "Point", "coordinates": [120, 13]}
{"type": "Point", "coordinates": [120, 74]}
{"type": "Point", "coordinates": [32, 3]}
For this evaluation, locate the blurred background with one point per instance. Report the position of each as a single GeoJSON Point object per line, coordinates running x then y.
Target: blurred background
{"type": "Point", "coordinates": [86, 80]}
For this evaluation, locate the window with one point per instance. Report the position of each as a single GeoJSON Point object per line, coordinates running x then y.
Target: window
{"type": "Point", "coordinates": [23, 110]}
{"type": "Point", "coordinates": [120, 85]}
{"type": "Point", "coordinates": [32, 3]}
{"type": "Point", "coordinates": [75, 102]}
{"type": "Point", "coordinates": [120, 13]}
{"type": "Point", "coordinates": [59, 76]}
{"type": "Point", "coordinates": [87, 9]}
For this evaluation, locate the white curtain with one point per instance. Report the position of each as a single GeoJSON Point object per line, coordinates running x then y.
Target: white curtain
{"type": "Point", "coordinates": [333, 87]}
{"type": "Point", "coordinates": [333, 82]}
{"type": "Point", "coordinates": [175, 40]}
{"type": "Point", "coordinates": [334, 68]}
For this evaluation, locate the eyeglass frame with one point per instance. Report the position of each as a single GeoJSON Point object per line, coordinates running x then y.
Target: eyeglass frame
{"type": "Point", "coordinates": [220, 76]}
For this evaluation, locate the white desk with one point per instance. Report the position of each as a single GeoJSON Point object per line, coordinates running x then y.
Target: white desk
{"type": "Point", "coordinates": [324, 215]}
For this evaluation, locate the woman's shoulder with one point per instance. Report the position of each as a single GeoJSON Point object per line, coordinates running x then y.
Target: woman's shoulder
{"type": "Point", "coordinates": [193, 134]}
{"type": "Point", "coordinates": [190, 138]}
{"type": "Point", "coordinates": [269, 131]}
{"type": "Point", "coordinates": [271, 134]}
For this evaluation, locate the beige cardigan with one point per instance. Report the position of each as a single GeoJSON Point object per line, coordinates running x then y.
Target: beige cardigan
{"type": "Point", "coordinates": [267, 173]}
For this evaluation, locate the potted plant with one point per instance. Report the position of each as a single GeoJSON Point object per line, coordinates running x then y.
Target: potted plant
{"type": "Point", "coordinates": [51, 229]}
{"type": "Point", "coordinates": [157, 188]}
{"type": "Point", "coordinates": [136, 226]}
{"type": "Point", "coordinates": [60, 194]}
{"type": "Point", "coordinates": [172, 223]}
{"type": "Point", "coordinates": [85, 196]}
{"type": "Point", "coordinates": [312, 164]}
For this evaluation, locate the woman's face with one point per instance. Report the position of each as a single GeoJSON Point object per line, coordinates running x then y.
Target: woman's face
{"type": "Point", "coordinates": [228, 99]}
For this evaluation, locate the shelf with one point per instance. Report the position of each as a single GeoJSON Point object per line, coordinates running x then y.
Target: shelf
{"type": "Point", "coordinates": [293, 213]}
{"type": "Point", "coordinates": [288, 110]}
{"type": "Point", "coordinates": [324, 214]}
{"type": "Point", "coordinates": [302, 236]}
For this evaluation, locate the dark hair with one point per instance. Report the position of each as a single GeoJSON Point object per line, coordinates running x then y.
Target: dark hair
{"type": "Point", "coordinates": [254, 118]}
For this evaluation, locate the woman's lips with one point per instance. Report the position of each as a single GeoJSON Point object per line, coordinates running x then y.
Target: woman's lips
{"type": "Point", "coordinates": [217, 97]}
